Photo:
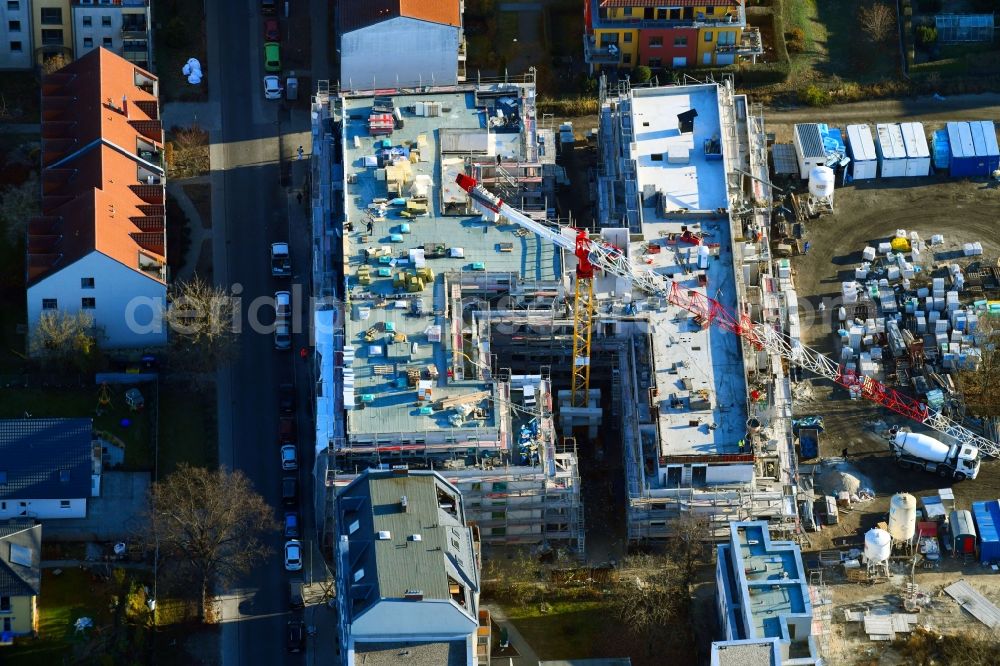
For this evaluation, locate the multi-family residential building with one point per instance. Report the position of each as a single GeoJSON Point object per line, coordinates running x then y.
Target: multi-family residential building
{"type": "Point", "coordinates": [408, 567]}
{"type": "Point", "coordinates": [33, 30]}
{"type": "Point", "coordinates": [684, 33]}
{"type": "Point", "coordinates": [763, 601]}
{"type": "Point", "coordinates": [121, 26]}
{"type": "Point", "coordinates": [52, 23]}
{"type": "Point", "coordinates": [16, 39]}
{"type": "Point", "coordinates": [48, 468]}
{"type": "Point", "coordinates": [394, 43]}
{"type": "Point", "coordinates": [100, 243]}
{"type": "Point", "coordinates": [20, 578]}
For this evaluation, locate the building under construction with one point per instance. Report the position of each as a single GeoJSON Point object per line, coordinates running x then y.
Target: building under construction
{"type": "Point", "coordinates": [707, 425]}
{"type": "Point", "coordinates": [416, 293]}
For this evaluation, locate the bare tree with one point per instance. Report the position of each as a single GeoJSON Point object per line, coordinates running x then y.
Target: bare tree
{"type": "Point", "coordinates": [188, 152]}
{"type": "Point", "coordinates": [64, 336]}
{"type": "Point", "coordinates": [18, 204]}
{"type": "Point", "coordinates": [979, 386]}
{"type": "Point", "coordinates": [210, 525]}
{"type": "Point", "coordinates": [54, 63]}
{"type": "Point", "coordinates": [688, 533]}
{"type": "Point", "coordinates": [651, 596]}
{"type": "Point", "coordinates": [203, 321]}
{"type": "Point", "coordinates": [877, 20]}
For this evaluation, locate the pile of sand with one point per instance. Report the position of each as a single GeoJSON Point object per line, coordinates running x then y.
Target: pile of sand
{"type": "Point", "coordinates": [838, 477]}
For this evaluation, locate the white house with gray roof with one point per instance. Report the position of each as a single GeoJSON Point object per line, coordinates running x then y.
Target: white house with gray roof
{"type": "Point", "coordinates": [408, 571]}
{"type": "Point", "coordinates": [48, 468]}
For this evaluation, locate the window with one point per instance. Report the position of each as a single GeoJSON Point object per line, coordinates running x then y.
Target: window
{"type": "Point", "coordinates": [627, 38]}
{"type": "Point", "coordinates": [106, 42]}
{"type": "Point", "coordinates": [63, 504]}
{"type": "Point", "coordinates": [15, 47]}
{"type": "Point", "coordinates": [655, 42]}
{"type": "Point", "coordinates": [628, 11]}
{"type": "Point", "coordinates": [52, 37]}
{"type": "Point", "coordinates": [627, 58]}
{"type": "Point", "coordinates": [14, 26]}
{"type": "Point", "coordinates": [680, 61]}
{"type": "Point", "coordinates": [51, 16]}
{"type": "Point", "coordinates": [358, 575]}
{"type": "Point", "coordinates": [86, 283]}
{"type": "Point", "coordinates": [6, 624]}
{"type": "Point", "coordinates": [708, 35]}
{"type": "Point", "coordinates": [727, 37]}
{"type": "Point", "coordinates": [681, 41]}
{"type": "Point", "coordinates": [105, 21]}
{"type": "Point", "coordinates": [4, 604]}
{"type": "Point", "coordinates": [50, 304]}
{"type": "Point", "coordinates": [353, 527]}
{"type": "Point", "coordinates": [655, 62]}
{"type": "Point", "coordinates": [13, 5]}
{"type": "Point", "coordinates": [88, 43]}
{"type": "Point", "coordinates": [88, 303]}
{"type": "Point", "coordinates": [88, 21]}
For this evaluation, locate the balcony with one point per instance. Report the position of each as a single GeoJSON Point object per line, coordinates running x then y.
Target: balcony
{"type": "Point", "coordinates": [750, 44]}
{"type": "Point", "coordinates": [134, 27]}
{"type": "Point", "coordinates": [594, 55]}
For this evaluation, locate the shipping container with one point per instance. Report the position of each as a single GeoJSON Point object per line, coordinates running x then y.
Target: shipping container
{"type": "Point", "coordinates": [809, 148]}
{"type": "Point", "coordinates": [918, 155]}
{"type": "Point", "coordinates": [963, 532]}
{"type": "Point", "coordinates": [973, 149]}
{"type": "Point", "coordinates": [891, 150]}
{"type": "Point", "coordinates": [861, 149]}
{"type": "Point", "coordinates": [987, 517]}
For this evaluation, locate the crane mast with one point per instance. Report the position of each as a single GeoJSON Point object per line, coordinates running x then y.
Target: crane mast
{"type": "Point", "coordinates": [598, 255]}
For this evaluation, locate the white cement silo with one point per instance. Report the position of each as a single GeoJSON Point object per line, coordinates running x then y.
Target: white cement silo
{"type": "Point", "coordinates": [902, 517]}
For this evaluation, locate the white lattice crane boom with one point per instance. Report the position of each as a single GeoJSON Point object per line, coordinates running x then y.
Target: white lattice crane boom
{"type": "Point", "coordinates": [604, 256]}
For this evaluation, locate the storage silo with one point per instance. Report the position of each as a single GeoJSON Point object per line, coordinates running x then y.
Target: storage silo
{"type": "Point", "coordinates": [918, 154]}
{"type": "Point", "coordinates": [861, 149]}
{"type": "Point", "coordinates": [878, 546]}
{"type": "Point", "coordinates": [902, 517]}
{"type": "Point", "coordinates": [891, 150]}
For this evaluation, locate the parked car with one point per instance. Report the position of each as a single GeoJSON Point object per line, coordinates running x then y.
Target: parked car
{"type": "Point", "coordinates": [271, 31]}
{"type": "Point", "coordinates": [291, 524]}
{"type": "Point", "coordinates": [289, 457]}
{"type": "Point", "coordinates": [286, 430]}
{"type": "Point", "coordinates": [295, 597]}
{"type": "Point", "coordinates": [289, 491]}
{"type": "Point", "coordinates": [283, 304]}
{"type": "Point", "coordinates": [296, 635]}
{"type": "Point", "coordinates": [272, 87]}
{"type": "Point", "coordinates": [282, 335]}
{"type": "Point", "coordinates": [268, 7]}
{"type": "Point", "coordinates": [293, 555]}
{"type": "Point", "coordinates": [286, 398]}
{"type": "Point", "coordinates": [272, 57]}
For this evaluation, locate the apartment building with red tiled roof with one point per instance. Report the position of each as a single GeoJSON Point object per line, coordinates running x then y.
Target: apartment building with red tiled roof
{"type": "Point", "coordinates": [99, 244]}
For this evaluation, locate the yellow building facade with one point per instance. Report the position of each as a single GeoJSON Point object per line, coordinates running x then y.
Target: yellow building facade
{"type": "Point", "coordinates": [53, 28]}
{"type": "Point", "coordinates": [22, 618]}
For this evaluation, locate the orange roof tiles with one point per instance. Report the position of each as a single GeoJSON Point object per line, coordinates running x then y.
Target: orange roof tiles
{"type": "Point", "coordinates": [356, 14]}
{"type": "Point", "coordinates": [91, 129]}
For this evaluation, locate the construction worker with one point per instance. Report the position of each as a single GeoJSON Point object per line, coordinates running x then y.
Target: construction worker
{"type": "Point", "coordinates": [371, 226]}
{"type": "Point", "coordinates": [742, 444]}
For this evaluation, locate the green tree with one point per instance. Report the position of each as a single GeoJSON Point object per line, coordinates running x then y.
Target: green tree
{"type": "Point", "coordinates": [643, 74]}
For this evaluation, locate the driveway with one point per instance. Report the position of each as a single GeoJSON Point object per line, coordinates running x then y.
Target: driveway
{"type": "Point", "coordinates": [111, 517]}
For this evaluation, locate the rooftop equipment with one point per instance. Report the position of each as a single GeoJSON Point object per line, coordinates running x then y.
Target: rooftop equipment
{"type": "Point", "coordinates": [685, 121]}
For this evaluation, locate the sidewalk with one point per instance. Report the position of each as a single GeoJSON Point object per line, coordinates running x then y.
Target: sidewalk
{"type": "Point", "coordinates": [527, 655]}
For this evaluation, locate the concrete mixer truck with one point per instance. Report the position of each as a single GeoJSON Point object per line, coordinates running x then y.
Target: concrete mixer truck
{"type": "Point", "coordinates": [918, 451]}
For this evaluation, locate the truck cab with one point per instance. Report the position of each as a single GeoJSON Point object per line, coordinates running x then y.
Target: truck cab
{"type": "Point", "coordinates": [968, 461]}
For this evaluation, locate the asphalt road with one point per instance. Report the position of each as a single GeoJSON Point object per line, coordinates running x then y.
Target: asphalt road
{"type": "Point", "coordinates": [252, 212]}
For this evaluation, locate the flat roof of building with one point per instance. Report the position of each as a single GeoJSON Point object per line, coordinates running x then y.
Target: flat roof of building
{"type": "Point", "coordinates": [379, 365]}
{"type": "Point", "coordinates": [676, 164]}
{"type": "Point", "coordinates": [411, 653]}
{"type": "Point", "coordinates": [746, 653]}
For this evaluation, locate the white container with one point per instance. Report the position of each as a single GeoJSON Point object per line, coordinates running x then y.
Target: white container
{"type": "Point", "coordinates": [902, 517]}
{"type": "Point", "coordinates": [861, 148]}
{"type": "Point", "coordinates": [878, 545]}
{"type": "Point", "coordinates": [885, 248]}
{"type": "Point", "coordinates": [861, 273]}
{"type": "Point", "coordinates": [893, 273]}
{"type": "Point", "coordinates": [921, 324]}
{"type": "Point", "coordinates": [891, 150]}
{"type": "Point", "coordinates": [868, 253]}
{"type": "Point", "coordinates": [918, 154]}
{"type": "Point", "coordinates": [923, 292]}
{"type": "Point", "coordinates": [937, 239]}
{"type": "Point", "coordinates": [821, 182]}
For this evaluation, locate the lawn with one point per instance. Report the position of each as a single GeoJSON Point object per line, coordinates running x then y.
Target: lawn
{"type": "Point", "coordinates": [180, 34]}
{"type": "Point", "coordinates": [187, 426]}
{"type": "Point", "coordinates": [569, 630]}
{"type": "Point", "coordinates": [65, 598]}
{"type": "Point", "coordinates": [83, 402]}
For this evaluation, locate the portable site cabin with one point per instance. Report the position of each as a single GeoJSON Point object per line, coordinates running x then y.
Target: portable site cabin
{"type": "Point", "coordinates": [891, 150]}
{"type": "Point", "coordinates": [918, 154]}
{"type": "Point", "coordinates": [861, 149]}
{"type": "Point", "coordinates": [809, 148]}
{"type": "Point", "coordinates": [963, 532]}
{"type": "Point", "coordinates": [987, 517]}
{"type": "Point", "coordinates": [973, 149]}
